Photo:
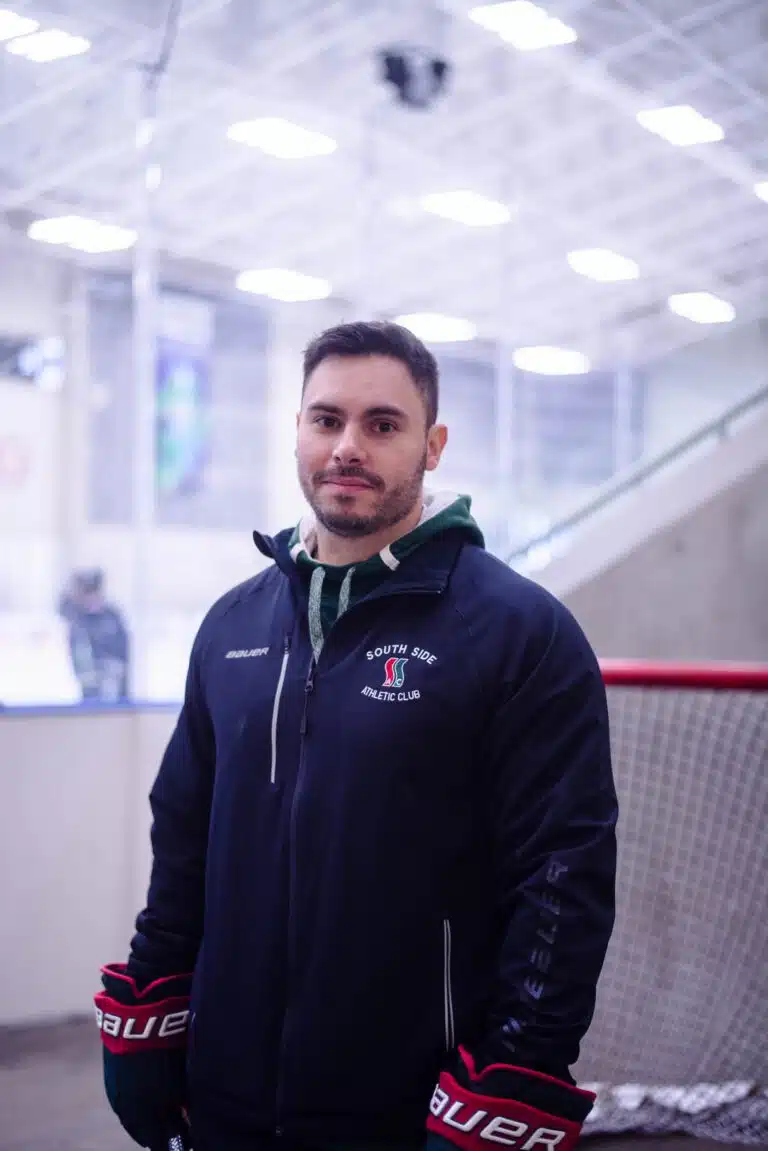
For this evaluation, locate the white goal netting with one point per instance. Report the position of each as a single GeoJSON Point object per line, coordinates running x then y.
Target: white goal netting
{"type": "Point", "coordinates": [680, 1037]}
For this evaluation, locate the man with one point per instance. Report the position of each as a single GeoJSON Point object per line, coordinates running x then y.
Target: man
{"type": "Point", "coordinates": [98, 638]}
{"type": "Point", "coordinates": [383, 827]}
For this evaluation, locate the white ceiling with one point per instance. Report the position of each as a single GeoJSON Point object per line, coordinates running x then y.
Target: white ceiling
{"type": "Point", "coordinates": [553, 132]}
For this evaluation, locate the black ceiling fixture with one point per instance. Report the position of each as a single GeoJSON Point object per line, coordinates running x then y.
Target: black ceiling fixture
{"type": "Point", "coordinates": [417, 75]}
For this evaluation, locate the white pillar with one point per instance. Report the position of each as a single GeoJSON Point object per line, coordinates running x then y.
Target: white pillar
{"type": "Point", "coordinates": [74, 438]}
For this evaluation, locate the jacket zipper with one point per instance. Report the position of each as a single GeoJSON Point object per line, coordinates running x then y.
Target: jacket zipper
{"type": "Point", "coordinates": [450, 1037]}
{"type": "Point", "coordinates": [308, 688]}
{"type": "Point", "coordinates": [309, 685]}
{"type": "Point", "coordinates": [276, 709]}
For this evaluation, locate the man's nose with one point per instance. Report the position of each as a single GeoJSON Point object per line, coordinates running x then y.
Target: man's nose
{"type": "Point", "coordinates": [349, 447]}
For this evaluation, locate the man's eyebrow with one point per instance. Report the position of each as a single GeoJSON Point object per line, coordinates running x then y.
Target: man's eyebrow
{"type": "Point", "coordinates": [385, 411]}
{"type": "Point", "coordinates": [379, 411]}
{"type": "Point", "coordinates": [320, 406]}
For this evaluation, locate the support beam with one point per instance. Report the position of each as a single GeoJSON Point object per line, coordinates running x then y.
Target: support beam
{"type": "Point", "coordinates": [675, 35]}
{"type": "Point", "coordinates": [94, 70]}
{"type": "Point", "coordinates": [593, 77]}
{"type": "Point", "coordinates": [235, 84]}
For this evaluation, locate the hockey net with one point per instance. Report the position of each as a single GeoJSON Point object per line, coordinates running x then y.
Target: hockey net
{"type": "Point", "coordinates": [679, 1042]}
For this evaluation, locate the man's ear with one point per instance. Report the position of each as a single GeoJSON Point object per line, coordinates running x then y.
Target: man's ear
{"type": "Point", "coordinates": [437, 438]}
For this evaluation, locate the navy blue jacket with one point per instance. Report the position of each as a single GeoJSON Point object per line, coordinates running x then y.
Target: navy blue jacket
{"type": "Point", "coordinates": [408, 846]}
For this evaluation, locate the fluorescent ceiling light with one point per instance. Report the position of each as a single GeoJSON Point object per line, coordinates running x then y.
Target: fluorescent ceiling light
{"type": "Point", "coordinates": [282, 284]}
{"type": "Point", "coordinates": [551, 361]}
{"type": "Point", "coordinates": [603, 265]}
{"type": "Point", "coordinates": [434, 328]}
{"type": "Point", "coordinates": [702, 308]}
{"type": "Point", "coordinates": [50, 44]}
{"type": "Point", "coordinates": [524, 25]}
{"type": "Point", "coordinates": [281, 138]}
{"type": "Point", "coordinates": [681, 125]}
{"type": "Point", "coordinates": [466, 208]}
{"type": "Point", "coordinates": [81, 234]}
{"type": "Point", "coordinates": [761, 190]}
{"type": "Point", "coordinates": [12, 25]}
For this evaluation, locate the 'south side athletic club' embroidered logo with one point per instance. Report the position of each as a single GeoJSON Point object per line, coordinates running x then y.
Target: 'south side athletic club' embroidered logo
{"type": "Point", "coordinates": [395, 656]}
{"type": "Point", "coordinates": [394, 671]}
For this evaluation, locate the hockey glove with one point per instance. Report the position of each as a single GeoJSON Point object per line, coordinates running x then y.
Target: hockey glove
{"type": "Point", "coordinates": [144, 1034]}
{"type": "Point", "coordinates": [504, 1105]}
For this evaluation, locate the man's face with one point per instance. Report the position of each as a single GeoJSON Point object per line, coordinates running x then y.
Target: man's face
{"type": "Point", "coordinates": [363, 445]}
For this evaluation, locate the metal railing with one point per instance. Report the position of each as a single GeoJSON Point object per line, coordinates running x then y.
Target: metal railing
{"type": "Point", "coordinates": [630, 480]}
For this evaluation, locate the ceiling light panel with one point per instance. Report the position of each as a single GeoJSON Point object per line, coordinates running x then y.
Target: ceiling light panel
{"type": "Point", "coordinates": [467, 208]}
{"type": "Point", "coordinates": [435, 328]}
{"type": "Point", "coordinates": [49, 45]}
{"type": "Point", "coordinates": [702, 308]}
{"type": "Point", "coordinates": [282, 284]}
{"type": "Point", "coordinates": [603, 265]}
{"type": "Point", "coordinates": [524, 25]}
{"type": "Point", "coordinates": [547, 361]}
{"type": "Point", "coordinates": [281, 138]}
{"type": "Point", "coordinates": [81, 234]}
{"type": "Point", "coordinates": [12, 25]}
{"type": "Point", "coordinates": [681, 125]}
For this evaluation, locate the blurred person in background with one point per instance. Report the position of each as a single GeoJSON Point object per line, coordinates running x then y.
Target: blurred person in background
{"type": "Point", "coordinates": [98, 638]}
{"type": "Point", "coordinates": [384, 826]}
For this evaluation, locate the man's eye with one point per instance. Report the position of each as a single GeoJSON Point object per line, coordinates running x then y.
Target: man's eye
{"type": "Point", "coordinates": [327, 422]}
{"type": "Point", "coordinates": [385, 427]}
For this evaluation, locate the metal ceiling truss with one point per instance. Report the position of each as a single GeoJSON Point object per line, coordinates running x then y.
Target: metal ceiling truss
{"type": "Point", "coordinates": [591, 178]}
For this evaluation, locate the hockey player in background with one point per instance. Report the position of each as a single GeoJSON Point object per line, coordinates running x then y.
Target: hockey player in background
{"type": "Point", "coordinates": [98, 638]}
{"type": "Point", "coordinates": [384, 826]}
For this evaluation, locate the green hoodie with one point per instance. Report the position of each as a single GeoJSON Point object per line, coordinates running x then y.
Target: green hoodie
{"type": "Point", "coordinates": [334, 587]}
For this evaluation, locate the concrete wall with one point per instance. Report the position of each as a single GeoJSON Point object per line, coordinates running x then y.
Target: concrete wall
{"type": "Point", "coordinates": [699, 382]}
{"type": "Point", "coordinates": [696, 590]}
{"type": "Point", "coordinates": [678, 568]}
{"type": "Point", "coordinates": [74, 852]}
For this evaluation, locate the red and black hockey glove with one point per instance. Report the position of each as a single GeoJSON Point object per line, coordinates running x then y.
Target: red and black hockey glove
{"type": "Point", "coordinates": [144, 1033]}
{"type": "Point", "coordinates": [504, 1105]}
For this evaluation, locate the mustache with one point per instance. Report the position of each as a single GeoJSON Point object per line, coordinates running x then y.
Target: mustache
{"type": "Point", "coordinates": [351, 473]}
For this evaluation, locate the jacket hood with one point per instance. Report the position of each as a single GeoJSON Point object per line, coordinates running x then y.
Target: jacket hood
{"type": "Point", "coordinates": [442, 511]}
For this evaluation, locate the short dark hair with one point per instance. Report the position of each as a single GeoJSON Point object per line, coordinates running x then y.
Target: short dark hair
{"type": "Point", "coordinates": [89, 581]}
{"type": "Point", "coordinates": [379, 338]}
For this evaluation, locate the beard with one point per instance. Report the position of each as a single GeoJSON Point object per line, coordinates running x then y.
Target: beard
{"type": "Point", "coordinates": [392, 505]}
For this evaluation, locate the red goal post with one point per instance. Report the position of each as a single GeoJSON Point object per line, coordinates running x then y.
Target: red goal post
{"type": "Point", "coordinates": [678, 1042]}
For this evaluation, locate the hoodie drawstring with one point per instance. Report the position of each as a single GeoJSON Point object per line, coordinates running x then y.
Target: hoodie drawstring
{"type": "Point", "coordinates": [315, 606]}
{"type": "Point", "coordinates": [344, 593]}
{"type": "Point", "coordinates": [315, 615]}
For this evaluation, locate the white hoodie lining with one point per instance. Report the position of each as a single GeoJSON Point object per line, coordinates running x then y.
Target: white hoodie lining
{"type": "Point", "coordinates": [307, 543]}
{"type": "Point", "coordinates": [434, 504]}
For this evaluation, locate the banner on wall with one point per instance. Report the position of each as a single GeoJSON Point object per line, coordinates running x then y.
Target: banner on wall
{"type": "Point", "coordinates": [211, 417]}
{"type": "Point", "coordinates": [182, 426]}
{"type": "Point", "coordinates": [183, 396]}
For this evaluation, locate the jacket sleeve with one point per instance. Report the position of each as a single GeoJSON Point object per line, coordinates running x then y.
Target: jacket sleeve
{"type": "Point", "coordinates": [169, 929]}
{"type": "Point", "coordinates": [554, 812]}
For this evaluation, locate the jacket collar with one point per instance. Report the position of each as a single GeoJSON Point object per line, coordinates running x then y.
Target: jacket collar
{"type": "Point", "coordinates": [428, 569]}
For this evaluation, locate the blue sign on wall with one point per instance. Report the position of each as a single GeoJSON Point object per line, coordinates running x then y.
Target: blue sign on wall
{"type": "Point", "coordinates": [182, 419]}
